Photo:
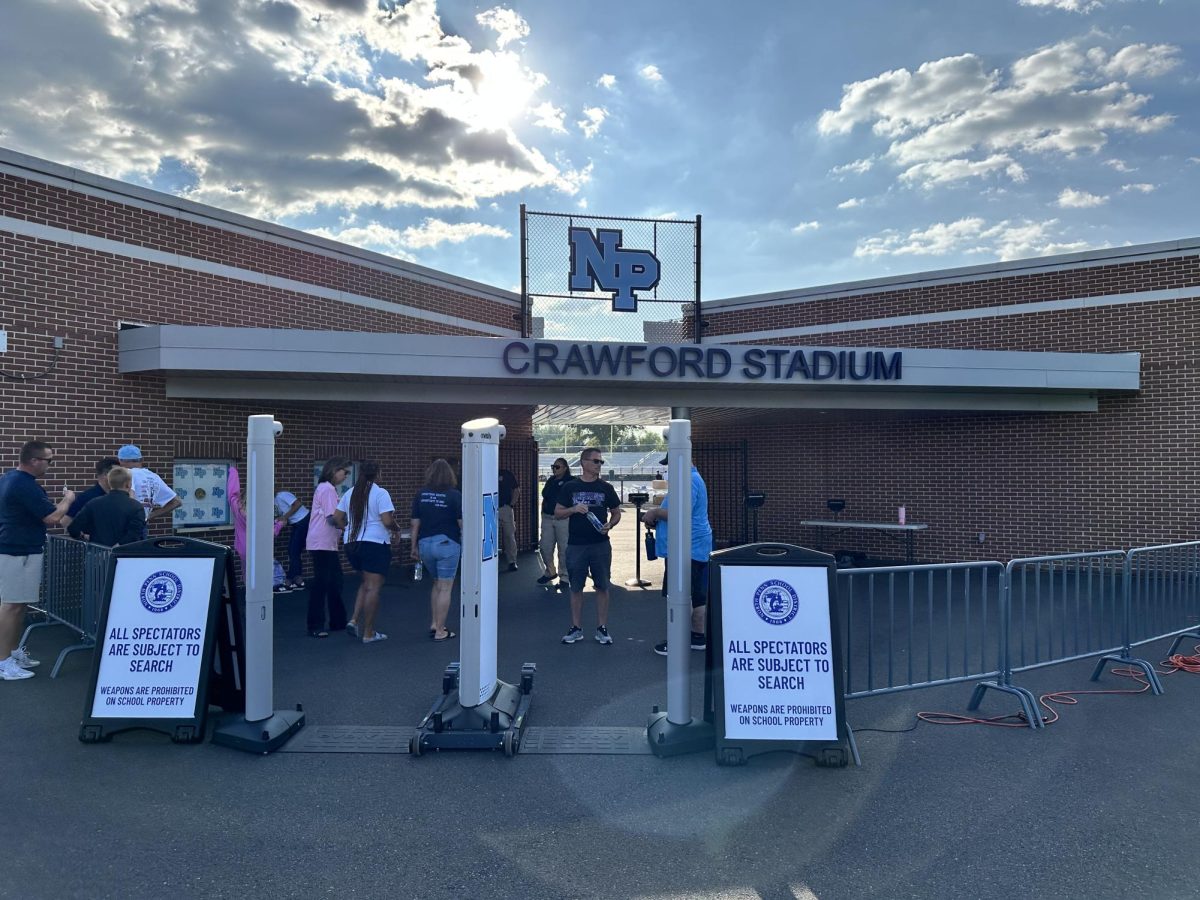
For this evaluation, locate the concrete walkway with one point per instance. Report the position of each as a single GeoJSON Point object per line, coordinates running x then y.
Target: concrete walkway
{"type": "Point", "coordinates": [1097, 805]}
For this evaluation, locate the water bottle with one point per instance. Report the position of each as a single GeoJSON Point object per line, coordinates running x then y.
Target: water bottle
{"type": "Point", "coordinates": [418, 572]}
{"type": "Point", "coordinates": [596, 523]}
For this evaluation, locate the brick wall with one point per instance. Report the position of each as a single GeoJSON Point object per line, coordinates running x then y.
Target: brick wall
{"type": "Point", "coordinates": [79, 401]}
{"type": "Point", "coordinates": [1031, 483]}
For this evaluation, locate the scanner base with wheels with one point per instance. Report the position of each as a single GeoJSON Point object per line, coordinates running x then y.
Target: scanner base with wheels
{"type": "Point", "coordinates": [493, 725]}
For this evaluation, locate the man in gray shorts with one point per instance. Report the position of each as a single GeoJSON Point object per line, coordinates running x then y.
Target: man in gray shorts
{"type": "Point", "coordinates": [587, 501]}
{"type": "Point", "coordinates": [25, 511]}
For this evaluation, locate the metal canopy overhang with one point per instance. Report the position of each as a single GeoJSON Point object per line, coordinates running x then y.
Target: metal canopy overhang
{"type": "Point", "coordinates": [279, 364]}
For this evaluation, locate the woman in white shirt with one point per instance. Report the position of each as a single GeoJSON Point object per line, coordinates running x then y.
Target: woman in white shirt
{"type": "Point", "coordinates": [366, 514]}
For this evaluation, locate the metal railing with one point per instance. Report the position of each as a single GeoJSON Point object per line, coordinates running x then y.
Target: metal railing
{"type": "Point", "coordinates": [1064, 608]}
{"type": "Point", "coordinates": [1164, 594]}
{"type": "Point", "coordinates": [908, 627]}
{"type": "Point", "coordinates": [73, 576]}
{"type": "Point", "coordinates": [917, 626]}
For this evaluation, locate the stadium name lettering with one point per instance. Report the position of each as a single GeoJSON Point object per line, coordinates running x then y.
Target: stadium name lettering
{"type": "Point", "coordinates": [545, 359]}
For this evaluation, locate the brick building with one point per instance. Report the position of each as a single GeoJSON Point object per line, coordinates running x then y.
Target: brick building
{"type": "Point", "coordinates": [994, 484]}
{"type": "Point", "coordinates": [82, 257]}
{"type": "Point", "coordinates": [1045, 405]}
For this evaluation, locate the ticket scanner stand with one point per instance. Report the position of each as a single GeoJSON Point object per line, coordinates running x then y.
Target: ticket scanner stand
{"type": "Point", "coordinates": [475, 710]}
{"type": "Point", "coordinates": [263, 728]}
{"type": "Point", "coordinates": [675, 732]}
{"type": "Point", "coordinates": [638, 500]}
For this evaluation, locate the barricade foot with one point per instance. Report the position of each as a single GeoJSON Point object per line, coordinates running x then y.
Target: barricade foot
{"type": "Point", "coordinates": [1179, 639]}
{"type": "Point", "coordinates": [62, 656]}
{"type": "Point", "coordinates": [32, 625]}
{"type": "Point", "coordinates": [1147, 669]}
{"type": "Point", "coordinates": [1029, 705]}
{"type": "Point", "coordinates": [671, 739]}
{"type": "Point", "coordinates": [263, 737]}
{"type": "Point", "coordinates": [853, 744]}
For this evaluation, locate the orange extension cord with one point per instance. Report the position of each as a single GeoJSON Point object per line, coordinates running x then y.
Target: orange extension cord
{"type": "Point", "coordinates": [1173, 664]}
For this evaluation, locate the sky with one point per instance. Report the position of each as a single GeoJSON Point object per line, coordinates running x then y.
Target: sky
{"type": "Point", "coordinates": [821, 143]}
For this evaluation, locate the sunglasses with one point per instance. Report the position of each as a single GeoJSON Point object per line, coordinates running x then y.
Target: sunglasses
{"type": "Point", "coordinates": [598, 462]}
{"type": "Point", "coordinates": [45, 459]}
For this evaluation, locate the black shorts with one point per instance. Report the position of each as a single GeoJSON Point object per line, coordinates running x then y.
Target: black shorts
{"type": "Point", "coordinates": [369, 556]}
{"type": "Point", "coordinates": [584, 558]}
{"type": "Point", "coordinates": [699, 583]}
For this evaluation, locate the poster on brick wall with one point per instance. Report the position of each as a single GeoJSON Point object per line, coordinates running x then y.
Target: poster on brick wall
{"type": "Point", "coordinates": [200, 486]}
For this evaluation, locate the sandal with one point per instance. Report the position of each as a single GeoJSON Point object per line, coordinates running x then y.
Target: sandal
{"type": "Point", "coordinates": [318, 634]}
{"type": "Point", "coordinates": [448, 635]}
{"type": "Point", "coordinates": [352, 629]}
{"type": "Point", "coordinates": [377, 636]}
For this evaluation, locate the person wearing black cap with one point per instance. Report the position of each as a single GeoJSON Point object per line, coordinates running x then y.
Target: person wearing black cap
{"type": "Point", "coordinates": [658, 519]}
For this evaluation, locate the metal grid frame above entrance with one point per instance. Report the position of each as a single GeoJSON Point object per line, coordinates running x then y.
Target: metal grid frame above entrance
{"type": "Point", "coordinates": [644, 273]}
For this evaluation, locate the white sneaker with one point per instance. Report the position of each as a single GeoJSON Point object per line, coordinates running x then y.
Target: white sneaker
{"type": "Point", "coordinates": [10, 671]}
{"type": "Point", "coordinates": [22, 658]}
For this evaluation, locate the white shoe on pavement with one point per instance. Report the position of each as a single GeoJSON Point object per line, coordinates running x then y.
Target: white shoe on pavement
{"type": "Point", "coordinates": [10, 671]}
{"type": "Point", "coordinates": [22, 658]}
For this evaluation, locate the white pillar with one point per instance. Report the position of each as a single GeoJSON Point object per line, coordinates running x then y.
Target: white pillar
{"type": "Point", "coordinates": [480, 561]}
{"type": "Point", "coordinates": [259, 488]}
{"type": "Point", "coordinates": [679, 571]}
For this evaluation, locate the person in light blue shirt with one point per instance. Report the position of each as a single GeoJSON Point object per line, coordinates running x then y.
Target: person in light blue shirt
{"type": "Point", "coordinates": [658, 519]}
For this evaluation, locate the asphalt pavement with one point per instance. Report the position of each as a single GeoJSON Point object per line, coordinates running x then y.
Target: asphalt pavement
{"type": "Point", "coordinates": [1098, 804]}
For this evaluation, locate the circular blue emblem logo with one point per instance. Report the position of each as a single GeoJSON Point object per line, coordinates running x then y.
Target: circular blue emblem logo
{"type": "Point", "coordinates": [776, 602]}
{"type": "Point", "coordinates": [161, 591]}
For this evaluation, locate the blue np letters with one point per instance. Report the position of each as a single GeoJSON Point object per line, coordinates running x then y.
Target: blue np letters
{"type": "Point", "coordinates": [600, 260]}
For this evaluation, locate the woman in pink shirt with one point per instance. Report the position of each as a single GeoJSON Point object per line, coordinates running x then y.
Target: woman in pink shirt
{"type": "Point", "coordinates": [237, 511]}
{"type": "Point", "coordinates": [325, 591]}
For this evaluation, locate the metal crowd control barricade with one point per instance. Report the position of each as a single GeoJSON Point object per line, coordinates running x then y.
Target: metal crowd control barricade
{"type": "Point", "coordinates": [72, 588]}
{"type": "Point", "coordinates": [910, 627]}
{"type": "Point", "coordinates": [1163, 585]}
{"type": "Point", "coordinates": [1064, 608]}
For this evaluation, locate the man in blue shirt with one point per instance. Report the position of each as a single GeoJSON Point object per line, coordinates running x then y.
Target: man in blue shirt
{"type": "Point", "coordinates": [25, 511]}
{"type": "Point", "coordinates": [701, 550]}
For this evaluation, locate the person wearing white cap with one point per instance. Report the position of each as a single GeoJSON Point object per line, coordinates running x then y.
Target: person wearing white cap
{"type": "Point", "coordinates": [152, 492]}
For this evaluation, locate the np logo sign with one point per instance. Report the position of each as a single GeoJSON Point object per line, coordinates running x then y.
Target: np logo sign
{"type": "Point", "coordinates": [599, 262]}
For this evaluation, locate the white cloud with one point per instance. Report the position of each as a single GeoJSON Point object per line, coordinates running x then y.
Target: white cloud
{"type": "Point", "coordinates": [1079, 6]}
{"type": "Point", "coordinates": [593, 118]}
{"type": "Point", "coordinates": [1141, 187]}
{"type": "Point", "coordinates": [650, 73]}
{"type": "Point", "coordinates": [547, 115]}
{"type": "Point", "coordinates": [609, 82]}
{"type": "Point", "coordinates": [941, 171]}
{"type": "Point", "coordinates": [372, 236]}
{"type": "Point", "coordinates": [954, 118]}
{"type": "Point", "coordinates": [852, 203]}
{"type": "Point", "coordinates": [1069, 198]}
{"type": "Point", "coordinates": [276, 109]}
{"type": "Point", "coordinates": [1118, 165]}
{"type": "Point", "coordinates": [1140, 60]}
{"type": "Point", "coordinates": [805, 226]}
{"type": "Point", "coordinates": [508, 25]}
{"type": "Point", "coordinates": [430, 233]}
{"type": "Point", "coordinates": [858, 167]}
{"type": "Point", "coordinates": [972, 235]}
